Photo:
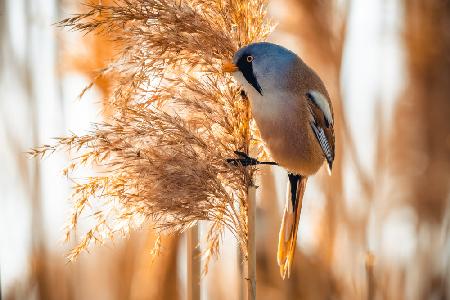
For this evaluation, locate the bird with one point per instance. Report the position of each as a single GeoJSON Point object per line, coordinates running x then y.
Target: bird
{"type": "Point", "coordinates": [294, 114]}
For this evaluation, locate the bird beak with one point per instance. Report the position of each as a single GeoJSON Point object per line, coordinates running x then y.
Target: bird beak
{"type": "Point", "coordinates": [229, 67]}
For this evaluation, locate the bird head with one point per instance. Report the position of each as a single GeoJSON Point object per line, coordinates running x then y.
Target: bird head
{"type": "Point", "coordinates": [262, 67]}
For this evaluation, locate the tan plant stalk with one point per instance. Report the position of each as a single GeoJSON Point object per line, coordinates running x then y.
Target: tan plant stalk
{"type": "Point", "coordinates": [193, 264]}
{"type": "Point", "coordinates": [176, 119]}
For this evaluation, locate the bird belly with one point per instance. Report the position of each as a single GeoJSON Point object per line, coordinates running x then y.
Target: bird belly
{"type": "Point", "coordinates": [289, 138]}
{"type": "Point", "coordinates": [298, 156]}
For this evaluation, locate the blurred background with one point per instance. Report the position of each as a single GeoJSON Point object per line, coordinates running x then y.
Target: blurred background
{"type": "Point", "coordinates": [377, 229]}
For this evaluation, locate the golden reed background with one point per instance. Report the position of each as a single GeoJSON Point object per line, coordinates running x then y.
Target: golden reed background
{"type": "Point", "coordinates": [413, 153]}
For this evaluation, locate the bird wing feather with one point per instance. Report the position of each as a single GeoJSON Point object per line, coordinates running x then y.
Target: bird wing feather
{"type": "Point", "coordinates": [322, 124]}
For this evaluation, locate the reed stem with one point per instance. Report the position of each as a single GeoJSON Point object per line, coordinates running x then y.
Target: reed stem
{"type": "Point", "coordinates": [240, 260]}
{"type": "Point", "coordinates": [193, 264]}
{"type": "Point", "coordinates": [251, 262]}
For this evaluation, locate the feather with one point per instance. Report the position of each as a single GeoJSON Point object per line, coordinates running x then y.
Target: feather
{"type": "Point", "coordinates": [287, 238]}
{"type": "Point", "coordinates": [322, 124]}
{"type": "Point", "coordinates": [322, 103]}
{"type": "Point", "coordinates": [324, 144]}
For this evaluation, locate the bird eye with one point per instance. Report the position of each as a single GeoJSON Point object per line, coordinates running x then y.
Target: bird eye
{"type": "Point", "coordinates": [249, 58]}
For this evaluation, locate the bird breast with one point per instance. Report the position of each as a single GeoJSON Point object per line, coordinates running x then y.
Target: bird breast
{"type": "Point", "coordinates": [284, 123]}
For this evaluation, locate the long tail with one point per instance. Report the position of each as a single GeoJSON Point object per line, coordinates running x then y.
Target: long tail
{"type": "Point", "coordinates": [287, 238]}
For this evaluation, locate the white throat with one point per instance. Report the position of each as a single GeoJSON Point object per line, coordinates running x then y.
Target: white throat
{"type": "Point", "coordinates": [270, 104]}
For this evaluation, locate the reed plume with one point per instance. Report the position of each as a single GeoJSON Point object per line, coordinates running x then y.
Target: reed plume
{"type": "Point", "coordinates": [176, 118]}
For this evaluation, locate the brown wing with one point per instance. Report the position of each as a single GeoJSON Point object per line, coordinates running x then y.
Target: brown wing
{"type": "Point", "coordinates": [322, 123]}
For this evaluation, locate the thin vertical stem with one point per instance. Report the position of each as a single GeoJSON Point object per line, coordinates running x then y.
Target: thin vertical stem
{"type": "Point", "coordinates": [240, 257]}
{"type": "Point", "coordinates": [251, 262]}
{"type": "Point", "coordinates": [370, 259]}
{"type": "Point", "coordinates": [193, 264]}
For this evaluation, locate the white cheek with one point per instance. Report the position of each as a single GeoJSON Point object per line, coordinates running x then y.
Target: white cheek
{"type": "Point", "coordinates": [262, 106]}
{"type": "Point", "coordinates": [241, 79]}
{"type": "Point", "coordinates": [247, 87]}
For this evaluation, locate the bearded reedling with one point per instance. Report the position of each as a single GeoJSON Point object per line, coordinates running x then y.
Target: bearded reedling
{"type": "Point", "coordinates": [294, 114]}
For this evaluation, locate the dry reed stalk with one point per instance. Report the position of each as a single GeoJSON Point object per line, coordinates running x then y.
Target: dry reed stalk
{"type": "Point", "coordinates": [251, 244]}
{"type": "Point", "coordinates": [370, 277]}
{"type": "Point", "coordinates": [175, 120]}
{"type": "Point", "coordinates": [193, 264]}
{"type": "Point", "coordinates": [241, 283]}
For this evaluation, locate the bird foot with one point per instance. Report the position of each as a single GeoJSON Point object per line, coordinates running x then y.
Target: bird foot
{"type": "Point", "coordinates": [246, 160]}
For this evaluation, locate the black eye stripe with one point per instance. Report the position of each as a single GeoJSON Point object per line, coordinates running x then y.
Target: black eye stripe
{"type": "Point", "coordinates": [246, 67]}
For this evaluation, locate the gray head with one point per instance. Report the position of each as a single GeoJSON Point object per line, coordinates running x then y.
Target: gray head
{"type": "Point", "coordinates": [263, 67]}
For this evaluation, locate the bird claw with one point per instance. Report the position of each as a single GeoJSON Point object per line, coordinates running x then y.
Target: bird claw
{"type": "Point", "coordinates": [246, 160]}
